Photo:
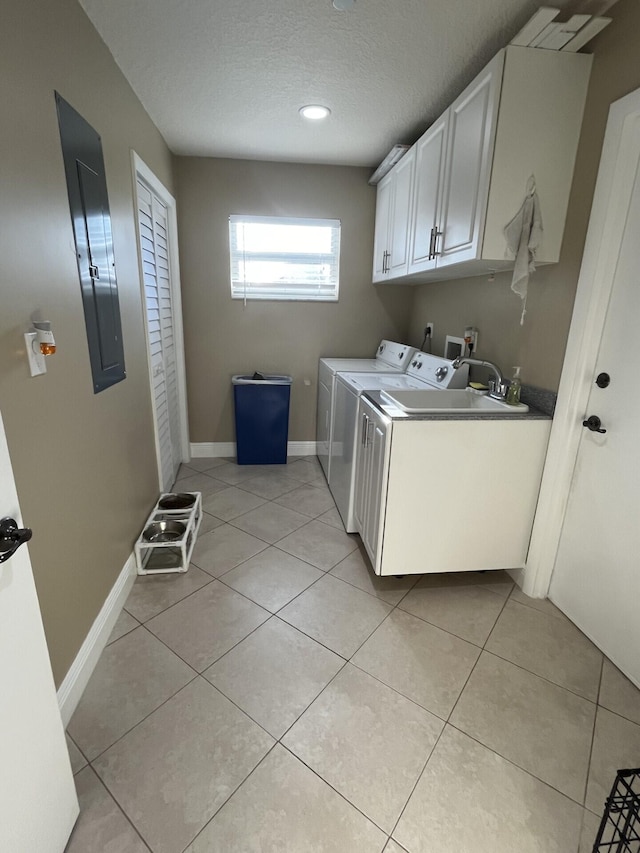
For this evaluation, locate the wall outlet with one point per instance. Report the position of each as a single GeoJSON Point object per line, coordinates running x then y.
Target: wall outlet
{"type": "Point", "coordinates": [472, 333]}
{"type": "Point", "coordinates": [428, 330]}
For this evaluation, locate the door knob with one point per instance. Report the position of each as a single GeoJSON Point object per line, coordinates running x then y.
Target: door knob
{"type": "Point", "coordinates": [593, 423]}
{"type": "Point", "coordinates": [12, 537]}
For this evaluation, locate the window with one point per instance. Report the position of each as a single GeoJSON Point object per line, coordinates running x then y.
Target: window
{"type": "Point", "coordinates": [280, 258]}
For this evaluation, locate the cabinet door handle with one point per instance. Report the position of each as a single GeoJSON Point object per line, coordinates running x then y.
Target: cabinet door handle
{"type": "Point", "coordinates": [436, 235]}
{"type": "Point", "coordinates": [367, 435]}
{"type": "Point", "coordinates": [363, 433]}
{"type": "Point", "coordinates": [431, 239]}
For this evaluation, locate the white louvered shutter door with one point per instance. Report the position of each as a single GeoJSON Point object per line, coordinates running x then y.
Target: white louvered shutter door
{"type": "Point", "coordinates": [154, 244]}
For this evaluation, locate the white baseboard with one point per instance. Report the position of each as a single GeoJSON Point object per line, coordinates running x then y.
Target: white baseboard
{"type": "Point", "coordinates": [209, 449]}
{"type": "Point", "coordinates": [75, 681]}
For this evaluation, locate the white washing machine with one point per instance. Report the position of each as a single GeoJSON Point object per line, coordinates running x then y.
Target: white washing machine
{"type": "Point", "coordinates": [424, 371]}
{"type": "Point", "coordinates": [390, 357]}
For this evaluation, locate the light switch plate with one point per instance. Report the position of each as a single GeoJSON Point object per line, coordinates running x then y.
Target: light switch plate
{"type": "Point", "coordinates": [37, 363]}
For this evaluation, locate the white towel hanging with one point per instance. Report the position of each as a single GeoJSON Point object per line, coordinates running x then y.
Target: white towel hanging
{"type": "Point", "coordinates": [523, 235]}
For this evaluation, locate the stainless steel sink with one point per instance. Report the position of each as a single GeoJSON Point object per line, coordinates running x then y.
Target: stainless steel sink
{"type": "Point", "coordinates": [457, 402]}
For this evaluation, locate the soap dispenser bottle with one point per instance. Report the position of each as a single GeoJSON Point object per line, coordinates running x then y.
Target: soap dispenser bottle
{"type": "Point", "coordinates": [515, 386]}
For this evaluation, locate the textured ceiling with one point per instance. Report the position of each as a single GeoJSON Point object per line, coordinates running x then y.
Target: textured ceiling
{"type": "Point", "coordinates": [226, 79]}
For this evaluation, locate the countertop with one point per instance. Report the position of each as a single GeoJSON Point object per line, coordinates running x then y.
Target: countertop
{"type": "Point", "coordinates": [382, 404]}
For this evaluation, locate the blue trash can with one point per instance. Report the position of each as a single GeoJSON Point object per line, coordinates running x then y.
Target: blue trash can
{"type": "Point", "coordinates": [262, 418]}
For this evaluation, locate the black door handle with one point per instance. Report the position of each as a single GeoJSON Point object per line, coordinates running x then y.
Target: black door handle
{"type": "Point", "coordinates": [12, 537]}
{"type": "Point", "coordinates": [593, 423]}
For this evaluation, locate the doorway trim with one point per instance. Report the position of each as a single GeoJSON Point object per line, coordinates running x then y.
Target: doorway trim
{"type": "Point", "coordinates": [143, 173]}
{"type": "Point", "coordinates": [606, 225]}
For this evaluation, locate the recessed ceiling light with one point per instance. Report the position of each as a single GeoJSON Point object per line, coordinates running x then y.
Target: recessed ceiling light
{"type": "Point", "coordinates": [343, 5]}
{"type": "Point", "coordinates": [314, 111]}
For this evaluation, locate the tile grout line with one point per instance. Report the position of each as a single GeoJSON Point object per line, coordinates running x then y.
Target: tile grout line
{"type": "Point", "coordinates": [417, 782]}
{"type": "Point", "coordinates": [315, 699]}
{"type": "Point", "coordinates": [213, 687]}
{"type": "Point", "coordinates": [510, 761]}
{"type": "Point", "coordinates": [307, 521]}
{"type": "Point", "coordinates": [593, 734]}
{"type": "Point", "coordinates": [146, 716]}
{"type": "Point", "coordinates": [79, 750]}
{"type": "Point", "coordinates": [246, 713]}
{"type": "Point", "coordinates": [175, 603]}
{"type": "Point", "coordinates": [515, 764]}
{"type": "Point", "coordinates": [341, 795]}
{"type": "Point", "coordinates": [121, 809]}
{"type": "Point", "coordinates": [538, 609]}
{"type": "Point", "coordinates": [473, 668]}
{"type": "Point", "coordinates": [235, 790]}
{"type": "Point", "coordinates": [271, 612]}
{"type": "Point", "coordinates": [619, 715]}
{"type": "Point", "coordinates": [541, 677]}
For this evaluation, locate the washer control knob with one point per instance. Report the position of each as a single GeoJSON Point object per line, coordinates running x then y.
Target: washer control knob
{"type": "Point", "coordinates": [441, 372]}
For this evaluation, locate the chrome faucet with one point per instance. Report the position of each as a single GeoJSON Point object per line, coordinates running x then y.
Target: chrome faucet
{"type": "Point", "coordinates": [497, 386]}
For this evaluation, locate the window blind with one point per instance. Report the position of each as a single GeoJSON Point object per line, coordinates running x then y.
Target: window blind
{"type": "Point", "coordinates": [274, 257]}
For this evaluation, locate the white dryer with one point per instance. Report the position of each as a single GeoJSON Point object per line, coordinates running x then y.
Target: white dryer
{"type": "Point", "coordinates": [390, 357]}
{"type": "Point", "coordinates": [424, 371]}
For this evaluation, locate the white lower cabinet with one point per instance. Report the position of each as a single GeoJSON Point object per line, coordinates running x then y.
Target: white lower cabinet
{"type": "Point", "coordinates": [323, 423]}
{"type": "Point", "coordinates": [371, 449]}
{"type": "Point", "coordinates": [447, 495]}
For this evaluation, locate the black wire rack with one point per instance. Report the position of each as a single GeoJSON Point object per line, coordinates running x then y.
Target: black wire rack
{"type": "Point", "coordinates": [620, 826]}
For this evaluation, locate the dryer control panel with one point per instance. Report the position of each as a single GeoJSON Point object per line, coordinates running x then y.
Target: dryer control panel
{"type": "Point", "coordinates": [436, 371]}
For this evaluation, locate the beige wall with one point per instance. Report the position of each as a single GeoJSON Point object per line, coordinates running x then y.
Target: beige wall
{"type": "Point", "coordinates": [491, 306]}
{"type": "Point", "coordinates": [223, 337]}
{"type": "Point", "coordinates": [84, 463]}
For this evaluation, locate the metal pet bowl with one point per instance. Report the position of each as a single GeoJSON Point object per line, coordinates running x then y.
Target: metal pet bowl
{"type": "Point", "coordinates": [164, 531]}
{"type": "Point", "coordinates": [182, 500]}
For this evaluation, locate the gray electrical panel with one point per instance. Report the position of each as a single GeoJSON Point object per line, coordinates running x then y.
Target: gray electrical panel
{"type": "Point", "coordinates": [89, 204]}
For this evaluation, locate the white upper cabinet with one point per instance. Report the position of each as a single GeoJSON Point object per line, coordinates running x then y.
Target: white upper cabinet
{"type": "Point", "coordinates": [381, 234]}
{"type": "Point", "coordinates": [472, 129]}
{"type": "Point", "coordinates": [521, 116]}
{"type": "Point", "coordinates": [430, 155]}
{"type": "Point", "coordinates": [393, 211]}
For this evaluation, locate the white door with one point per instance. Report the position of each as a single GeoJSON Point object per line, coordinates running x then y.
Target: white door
{"type": "Point", "coordinates": [153, 231]}
{"type": "Point", "coordinates": [596, 580]}
{"type": "Point", "coordinates": [38, 803]}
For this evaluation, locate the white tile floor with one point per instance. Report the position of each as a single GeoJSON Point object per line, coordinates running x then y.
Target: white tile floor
{"type": "Point", "coordinates": [279, 697]}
